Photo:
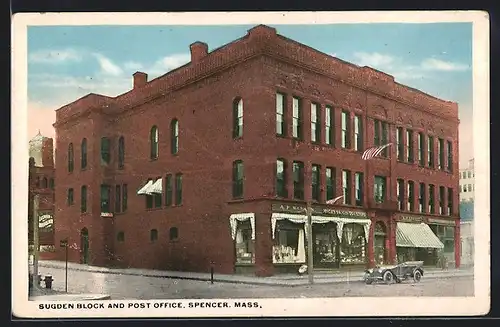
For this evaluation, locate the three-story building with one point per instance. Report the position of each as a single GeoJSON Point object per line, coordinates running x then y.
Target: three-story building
{"type": "Point", "coordinates": [212, 164]}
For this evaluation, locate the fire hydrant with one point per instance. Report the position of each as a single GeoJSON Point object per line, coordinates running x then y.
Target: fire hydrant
{"type": "Point", "coordinates": [48, 281]}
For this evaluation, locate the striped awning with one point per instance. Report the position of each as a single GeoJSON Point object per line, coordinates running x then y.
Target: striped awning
{"type": "Point", "coordinates": [156, 187]}
{"type": "Point", "coordinates": [417, 236]}
{"type": "Point", "coordinates": [145, 189]}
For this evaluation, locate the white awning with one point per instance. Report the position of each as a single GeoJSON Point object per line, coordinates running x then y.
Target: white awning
{"type": "Point", "coordinates": [417, 236]}
{"type": "Point", "coordinates": [157, 187]}
{"type": "Point", "coordinates": [234, 218]}
{"type": "Point", "coordinates": [343, 221]}
{"type": "Point", "coordinates": [302, 219]}
{"type": "Point", "coordinates": [145, 189]}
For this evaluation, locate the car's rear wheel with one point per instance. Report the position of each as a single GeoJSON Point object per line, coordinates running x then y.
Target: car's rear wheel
{"type": "Point", "coordinates": [388, 277]}
{"type": "Point", "coordinates": [417, 276]}
{"type": "Point", "coordinates": [367, 278]}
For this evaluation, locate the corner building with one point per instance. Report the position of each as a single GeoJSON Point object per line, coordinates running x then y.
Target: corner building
{"type": "Point", "coordinates": [212, 164]}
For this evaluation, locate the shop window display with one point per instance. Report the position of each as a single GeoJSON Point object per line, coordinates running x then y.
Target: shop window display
{"type": "Point", "coordinates": [353, 246]}
{"type": "Point", "coordinates": [289, 246]}
{"type": "Point", "coordinates": [244, 244]}
{"type": "Point", "coordinates": [325, 244]}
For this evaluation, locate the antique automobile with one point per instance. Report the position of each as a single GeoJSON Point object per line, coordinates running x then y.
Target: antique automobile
{"type": "Point", "coordinates": [395, 273]}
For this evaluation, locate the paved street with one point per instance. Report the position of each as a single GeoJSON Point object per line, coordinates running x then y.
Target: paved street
{"type": "Point", "coordinates": [145, 288]}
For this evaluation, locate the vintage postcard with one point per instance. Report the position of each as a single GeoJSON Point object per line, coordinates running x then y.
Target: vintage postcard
{"type": "Point", "coordinates": [251, 164]}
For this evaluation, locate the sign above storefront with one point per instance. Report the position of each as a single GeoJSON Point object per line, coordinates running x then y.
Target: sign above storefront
{"type": "Point", "coordinates": [412, 219]}
{"type": "Point", "coordinates": [318, 210]}
{"type": "Point", "coordinates": [446, 222]}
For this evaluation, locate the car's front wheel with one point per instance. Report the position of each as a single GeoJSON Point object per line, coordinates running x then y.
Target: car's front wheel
{"type": "Point", "coordinates": [388, 277]}
{"type": "Point", "coordinates": [417, 276]}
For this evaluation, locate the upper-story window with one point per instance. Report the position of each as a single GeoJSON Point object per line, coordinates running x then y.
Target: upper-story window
{"type": "Point", "coordinates": [238, 177]}
{"type": "Point", "coordinates": [346, 186]}
{"type": "Point", "coordinates": [430, 151]}
{"type": "Point", "coordinates": [52, 184]}
{"type": "Point", "coordinates": [409, 146]}
{"type": "Point", "coordinates": [297, 118]}
{"type": "Point", "coordinates": [174, 136]}
{"type": "Point", "coordinates": [400, 194]}
{"type": "Point", "coordinates": [238, 118]}
{"type": "Point", "coordinates": [153, 142]}
{"type": "Point", "coordinates": [441, 154]}
{"type": "Point", "coordinates": [411, 196]}
{"type": "Point", "coordinates": [70, 197]}
{"type": "Point", "coordinates": [118, 198]}
{"type": "Point", "coordinates": [71, 161]}
{"type": "Point", "coordinates": [358, 133]}
{"type": "Point", "coordinates": [330, 183]}
{"type": "Point", "coordinates": [421, 149]}
{"type": "Point", "coordinates": [421, 197]}
{"type": "Point", "coordinates": [381, 135]}
{"type": "Point", "coordinates": [105, 198]}
{"type": "Point", "coordinates": [169, 190]}
{"type": "Point", "coordinates": [399, 143]}
{"type": "Point", "coordinates": [379, 189]}
{"type": "Point", "coordinates": [45, 182]}
{"type": "Point", "coordinates": [358, 186]}
{"type": "Point", "coordinates": [329, 125]}
{"type": "Point", "coordinates": [469, 174]}
{"type": "Point", "coordinates": [121, 152]}
{"type": "Point", "coordinates": [298, 180]}
{"type": "Point", "coordinates": [178, 189]}
{"type": "Point", "coordinates": [315, 123]}
{"type": "Point", "coordinates": [105, 150]}
{"type": "Point", "coordinates": [83, 162]}
{"type": "Point", "coordinates": [83, 199]}
{"type": "Point", "coordinates": [442, 191]}
{"type": "Point", "coordinates": [450, 201]}
{"type": "Point", "coordinates": [346, 130]}
{"type": "Point", "coordinates": [315, 186]}
{"type": "Point", "coordinates": [450, 155]}
{"type": "Point", "coordinates": [431, 199]}
{"type": "Point", "coordinates": [281, 189]}
{"type": "Point", "coordinates": [280, 114]}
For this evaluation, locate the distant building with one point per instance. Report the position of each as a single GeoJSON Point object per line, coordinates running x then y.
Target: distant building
{"type": "Point", "coordinates": [467, 182]}
{"type": "Point", "coordinates": [41, 182]}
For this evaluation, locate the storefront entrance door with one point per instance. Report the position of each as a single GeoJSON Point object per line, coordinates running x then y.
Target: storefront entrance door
{"type": "Point", "coordinates": [325, 250]}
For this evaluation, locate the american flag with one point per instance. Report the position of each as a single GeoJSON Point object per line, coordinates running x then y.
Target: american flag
{"type": "Point", "coordinates": [373, 152]}
{"type": "Point", "coordinates": [332, 201]}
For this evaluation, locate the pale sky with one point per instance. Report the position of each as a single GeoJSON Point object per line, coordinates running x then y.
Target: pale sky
{"type": "Point", "coordinates": [68, 62]}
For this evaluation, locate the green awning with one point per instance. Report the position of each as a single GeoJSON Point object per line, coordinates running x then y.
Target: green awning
{"type": "Point", "coordinates": [417, 236]}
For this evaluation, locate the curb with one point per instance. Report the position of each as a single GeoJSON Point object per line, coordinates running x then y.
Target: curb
{"type": "Point", "coordinates": [292, 283]}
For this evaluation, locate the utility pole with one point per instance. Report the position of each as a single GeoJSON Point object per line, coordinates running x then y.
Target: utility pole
{"type": "Point", "coordinates": [309, 243]}
{"type": "Point", "coordinates": [35, 240]}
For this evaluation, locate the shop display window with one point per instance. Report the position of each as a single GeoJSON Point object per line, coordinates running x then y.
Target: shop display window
{"type": "Point", "coordinates": [325, 245]}
{"type": "Point", "coordinates": [244, 244]}
{"type": "Point", "coordinates": [289, 245]}
{"type": "Point", "coordinates": [353, 246]}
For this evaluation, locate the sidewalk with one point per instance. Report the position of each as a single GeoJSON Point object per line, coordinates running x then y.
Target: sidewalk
{"type": "Point", "coordinates": [43, 294]}
{"type": "Point", "coordinates": [320, 277]}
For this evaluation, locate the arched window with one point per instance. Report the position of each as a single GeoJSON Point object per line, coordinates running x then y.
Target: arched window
{"type": "Point", "coordinates": [45, 182]}
{"type": "Point", "coordinates": [174, 233]}
{"type": "Point", "coordinates": [120, 237]}
{"type": "Point", "coordinates": [174, 136]}
{"type": "Point", "coordinates": [237, 118]}
{"type": "Point", "coordinates": [121, 152]}
{"type": "Point", "coordinates": [153, 235]}
{"type": "Point", "coordinates": [70, 158]}
{"type": "Point", "coordinates": [83, 199]}
{"type": "Point", "coordinates": [153, 140]}
{"type": "Point", "coordinates": [84, 154]}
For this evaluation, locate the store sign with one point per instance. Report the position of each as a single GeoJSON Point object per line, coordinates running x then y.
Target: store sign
{"type": "Point", "coordinates": [411, 219]}
{"type": "Point", "coordinates": [319, 211]}
{"type": "Point", "coordinates": [288, 208]}
{"type": "Point", "coordinates": [441, 222]}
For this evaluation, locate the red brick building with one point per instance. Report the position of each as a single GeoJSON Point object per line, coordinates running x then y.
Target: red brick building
{"type": "Point", "coordinates": [41, 183]}
{"type": "Point", "coordinates": [212, 163]}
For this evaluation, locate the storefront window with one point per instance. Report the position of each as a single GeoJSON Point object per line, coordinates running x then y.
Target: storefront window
{"type": "Point", "coordinates": [244, 243]}
{"type": "Point", "coordinates": [289, 244]}
{"type": "Point", "coordinates": [325, 244]}
{"type": "Point", "coordinates": [353, 246]}
{"type": "Point", "coordinates": [379, 244]}
{"type": "Point", "coordinates": [446, 235]}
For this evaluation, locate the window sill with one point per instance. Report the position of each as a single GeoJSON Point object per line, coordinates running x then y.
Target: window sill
{"type": "Point", "coordinates": [153, 159]}
{"type": "Point", "coordinates": [154, 209]}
